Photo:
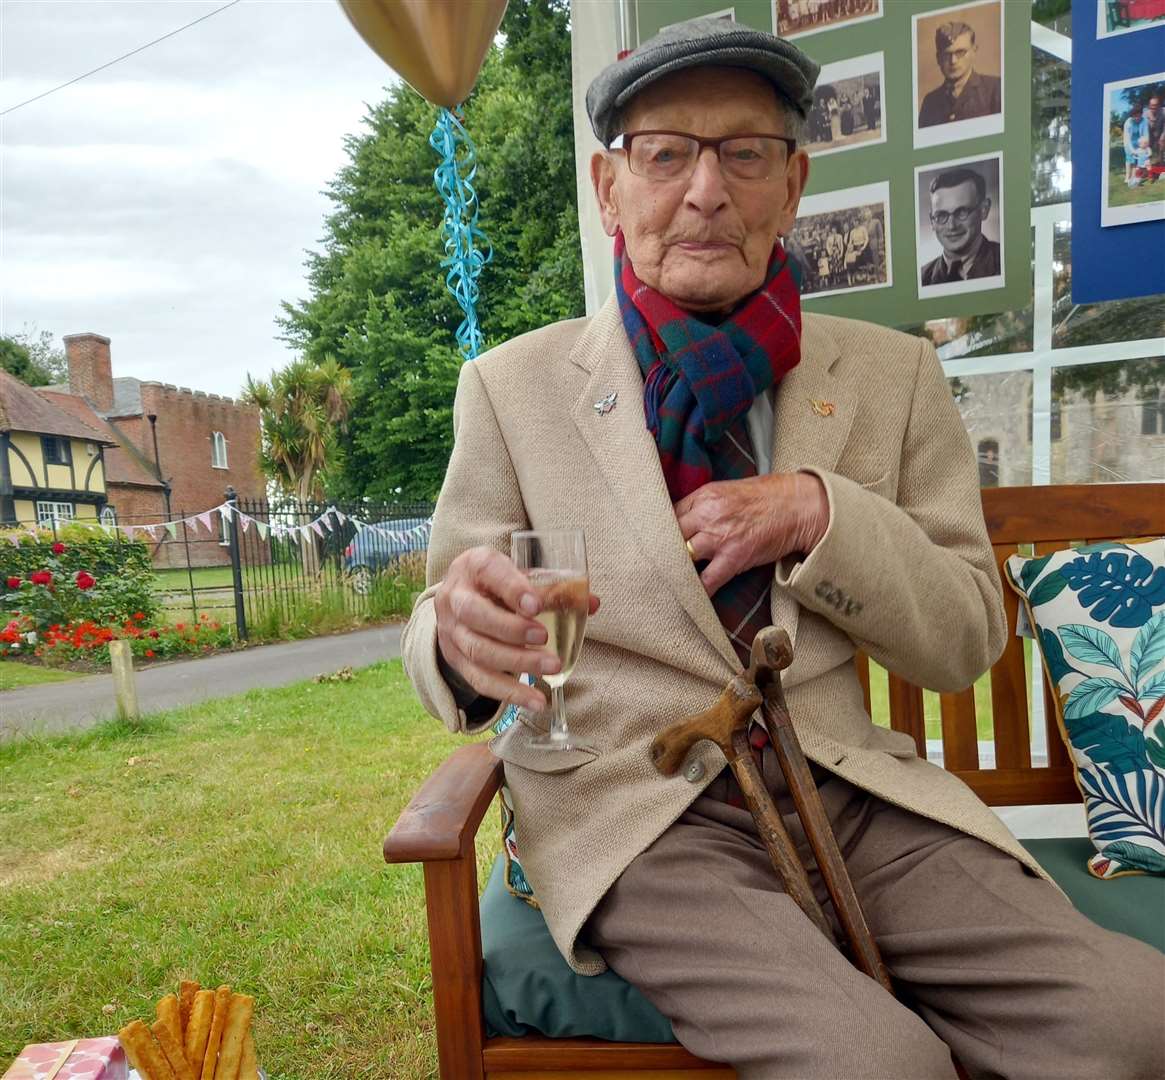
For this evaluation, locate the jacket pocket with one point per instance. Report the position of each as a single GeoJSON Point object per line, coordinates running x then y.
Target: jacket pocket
{"type": "Point", "coordinates": [513, 747]}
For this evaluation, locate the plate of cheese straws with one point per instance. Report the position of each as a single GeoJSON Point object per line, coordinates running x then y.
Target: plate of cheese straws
{"type": "Point", "coordinates": [198, 1035]}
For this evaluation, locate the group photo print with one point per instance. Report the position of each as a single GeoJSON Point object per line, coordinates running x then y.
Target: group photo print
{"type": "Point", "coordinates": [847, 105]}
{"type": "Point", "coordinates": [795, 17]}
{"type": "Point", "coordinates": [1132, 147]}
{"type": "Point", "coordinates": [840, 242]}
{"type": "Point", "coordinates": [958, 73]}
{"type": "Point", "coordinates": [960, 226]}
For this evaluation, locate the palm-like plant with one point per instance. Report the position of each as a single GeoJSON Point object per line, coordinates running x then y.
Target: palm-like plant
{"type": "Point", "coordinates": [302, 409]}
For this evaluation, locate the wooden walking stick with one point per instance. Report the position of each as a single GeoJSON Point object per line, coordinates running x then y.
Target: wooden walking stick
{"type": "Point", "coordinates": [726, 724]}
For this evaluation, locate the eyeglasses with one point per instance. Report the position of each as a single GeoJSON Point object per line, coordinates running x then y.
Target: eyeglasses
{"type": "Point", "coordinates": [960, 216]}
{"type": "Point", "coordinates": [672, 155]}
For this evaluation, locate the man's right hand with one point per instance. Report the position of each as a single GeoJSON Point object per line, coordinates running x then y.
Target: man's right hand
{"type": "Point", "coordinates": [486, 631]}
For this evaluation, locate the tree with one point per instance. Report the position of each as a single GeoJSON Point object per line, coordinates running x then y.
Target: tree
{"type": "Point", "coordinates": [33, 358]}
{"type": "Point", "coordinates": [302, 411]}
{"type": "Point", "coordinates": [376, 295]}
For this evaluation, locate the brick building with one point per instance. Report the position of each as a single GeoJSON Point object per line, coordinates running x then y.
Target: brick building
{"type": "Point", "coordinates": [177, 449]}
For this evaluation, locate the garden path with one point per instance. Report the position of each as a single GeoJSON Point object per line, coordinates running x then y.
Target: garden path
{"type": "Point", "coordinates": [81, 703]}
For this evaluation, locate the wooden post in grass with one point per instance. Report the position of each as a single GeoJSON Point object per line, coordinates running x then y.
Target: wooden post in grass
{"type": "Point", "coordinates": [125, 689]}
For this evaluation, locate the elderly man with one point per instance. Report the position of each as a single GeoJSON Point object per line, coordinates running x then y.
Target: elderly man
{"type": "Point", "coordinates": [734, 465]}
{"type": "Point", "coordinates": [965, 93]}
{"type": "Point", "coordinates": [958, 207]}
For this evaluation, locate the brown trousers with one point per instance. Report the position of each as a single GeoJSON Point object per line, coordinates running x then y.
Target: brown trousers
{"type": "Point", "coordinates": [988, 959]}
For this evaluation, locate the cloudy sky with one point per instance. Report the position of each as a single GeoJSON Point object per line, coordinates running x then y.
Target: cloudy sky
{"type": "Point", "coordinates": [167, 201]}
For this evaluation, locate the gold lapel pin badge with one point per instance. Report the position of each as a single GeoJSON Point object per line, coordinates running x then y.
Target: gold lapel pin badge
{"type": "Point", "coordinates": [822, 408]}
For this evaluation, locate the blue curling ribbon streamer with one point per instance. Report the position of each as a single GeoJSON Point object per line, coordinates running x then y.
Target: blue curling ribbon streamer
{"type": "Point", "coordinates": [466, 248]}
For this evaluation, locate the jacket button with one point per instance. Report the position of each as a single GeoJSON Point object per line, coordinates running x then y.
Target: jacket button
{"type": "Point", "coordinates": [694, 772]}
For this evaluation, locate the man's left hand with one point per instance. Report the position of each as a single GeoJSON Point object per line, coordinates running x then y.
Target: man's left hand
{"type": "Point", "coordinates": [739, 524]}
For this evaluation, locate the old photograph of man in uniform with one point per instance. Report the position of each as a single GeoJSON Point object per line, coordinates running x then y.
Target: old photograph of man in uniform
{"type": "Point", "coordinates": [958, 73]}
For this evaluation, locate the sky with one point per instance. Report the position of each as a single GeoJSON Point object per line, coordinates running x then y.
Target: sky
{"type": "Point", "coordinates": [167, 202]}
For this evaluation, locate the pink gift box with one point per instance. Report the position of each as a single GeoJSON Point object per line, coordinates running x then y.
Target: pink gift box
{"type": "Point", "coordinates": [80, 1059]}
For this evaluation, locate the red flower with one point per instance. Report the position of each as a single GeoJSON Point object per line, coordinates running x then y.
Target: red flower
{"type": "Point", "coordinates": [180, 626]}
{"type": "Point", "coordinates": [14, 583]}
{"type": "Point", "coordinates": [153, 633]}
{"type": "Point", "coordinates": [149, 652]}
{"type": "Point", "coordinates": [41, 577]}
{"type": "Point", "coordinates": [139, 615]}
{"type": "Point", "coordinates": [58, 548]}
{"type": "Point", "coordinates": [85, 580]}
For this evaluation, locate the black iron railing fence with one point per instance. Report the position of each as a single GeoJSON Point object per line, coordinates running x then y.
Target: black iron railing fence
{"type": "Point", "coordinates": [278, 568]}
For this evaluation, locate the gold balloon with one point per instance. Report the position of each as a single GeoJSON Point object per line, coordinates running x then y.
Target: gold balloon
{"type": "Point", "coordinates": [436, 46]}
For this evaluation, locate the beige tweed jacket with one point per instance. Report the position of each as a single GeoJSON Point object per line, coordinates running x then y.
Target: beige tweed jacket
{"type": "Point", "coordinates": [904, 572]}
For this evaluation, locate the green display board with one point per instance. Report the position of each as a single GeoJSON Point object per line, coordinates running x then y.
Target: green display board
{"type": "Point", "coordinates": [996, 147]}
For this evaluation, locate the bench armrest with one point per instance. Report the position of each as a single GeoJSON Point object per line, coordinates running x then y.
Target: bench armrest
{"type": "Point", "coordinates": [442, 819]}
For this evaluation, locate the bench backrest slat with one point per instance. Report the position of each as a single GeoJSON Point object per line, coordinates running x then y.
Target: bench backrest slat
{"type": "Point", "coordinates": [1037, 520]}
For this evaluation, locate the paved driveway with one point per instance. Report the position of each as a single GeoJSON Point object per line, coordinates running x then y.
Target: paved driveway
{"type": "Point", "coordinates": [80, 703]}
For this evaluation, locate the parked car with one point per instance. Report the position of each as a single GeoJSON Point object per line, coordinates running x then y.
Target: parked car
{"type": "Point", "coordinates": [375, 546]}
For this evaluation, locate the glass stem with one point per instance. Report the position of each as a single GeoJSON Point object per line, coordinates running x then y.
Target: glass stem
{"type": "Point", "coordinates": [558, 728]}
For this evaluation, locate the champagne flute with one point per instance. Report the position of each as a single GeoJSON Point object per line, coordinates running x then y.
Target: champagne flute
{"type": "Point", "coordinates": [555, 561]}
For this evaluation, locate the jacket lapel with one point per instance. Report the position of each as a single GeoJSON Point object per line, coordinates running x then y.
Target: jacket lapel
{"type": "Point", "coordinates": [626, 455]}
{"type": "Point", "coordinates": [813, 413]}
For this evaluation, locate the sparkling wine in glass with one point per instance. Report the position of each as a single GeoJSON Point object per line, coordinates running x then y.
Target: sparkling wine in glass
{"type": "Point", "coordinates": [555, 561]}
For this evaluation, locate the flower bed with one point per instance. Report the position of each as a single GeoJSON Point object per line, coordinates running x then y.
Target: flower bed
{"type": "Point", "coordinates": [86, 643]}
{"type": "Point", "coordinates": [63, 602]}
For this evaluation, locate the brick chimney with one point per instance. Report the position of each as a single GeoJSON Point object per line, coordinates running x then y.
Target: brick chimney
{"type": "Point", "coordinates": [90, 369]}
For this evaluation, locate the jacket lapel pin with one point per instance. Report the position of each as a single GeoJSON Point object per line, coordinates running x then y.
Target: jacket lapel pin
{"type": "Point", "coordinates": [821, 408]}
{"type": "Point", "coordinates": [606, 404]}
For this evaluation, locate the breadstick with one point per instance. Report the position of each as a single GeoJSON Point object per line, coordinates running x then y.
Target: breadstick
{"type": "Point", "coordinates": [238, 1024]}
{"type": "Point", "coordinates": [144, 1054]}
{"type": "Point", "coordinates": [198, 1029]}
{"type": "Point", "coordinates": [222, 1003]}
{"type": "Point", "coordinates": [171, 1046]}
{"type": "Point", "coordinates": [186, 994]}
{"type": "Point", "coordinates": [249, 1064]}
{"type": "Point", "coordinates": [167, 1009]}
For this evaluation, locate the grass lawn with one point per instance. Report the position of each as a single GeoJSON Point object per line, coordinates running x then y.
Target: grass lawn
{"type": "Point", "coordinates": [14, 674]}
{"type": "Point", "coordinates": [1120, 194]}
{"type": "Point", "coordinates": [235, 841]}
{"type": "Point", "coordinates": [880, 700]}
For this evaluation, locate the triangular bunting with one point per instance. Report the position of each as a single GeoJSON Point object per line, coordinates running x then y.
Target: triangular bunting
{"type": "Point", "coordinates": [204, 520]}
{"type": "Point", "coordinates": [172, 529]}
{"type": "Point", "coordinates": [245, 522]}
{"type": "Point", "coordinates": [316, 527]}
{"type": "Point", "coordinates": [262, 529]}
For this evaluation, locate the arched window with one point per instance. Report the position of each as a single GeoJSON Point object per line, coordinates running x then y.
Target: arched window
{"type": "Point", "coordinates": [988, 455]}
{"type": "Point", "coordinates": [218, 450]}
{"type": "Point", "coordinates": [108, 515]}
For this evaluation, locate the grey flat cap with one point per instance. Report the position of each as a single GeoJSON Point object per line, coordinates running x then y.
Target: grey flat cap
{"type": "Point", "coordinates": [703, 42]}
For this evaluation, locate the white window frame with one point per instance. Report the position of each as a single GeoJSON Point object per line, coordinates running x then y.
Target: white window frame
{"type": "Point", "coordinates": [49, 511]}
{"type": "Point", "coordinates": [108, 515]}
{"type": "Point", "coordinates": [224, 529]}
{"type": "Point", "coordinates": [218, 450]}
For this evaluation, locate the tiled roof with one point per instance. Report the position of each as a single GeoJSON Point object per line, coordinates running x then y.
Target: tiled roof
{"type": "Point", "coordinates": [24, 409]}
{"type": "Point", "coordinates": [124, 463]}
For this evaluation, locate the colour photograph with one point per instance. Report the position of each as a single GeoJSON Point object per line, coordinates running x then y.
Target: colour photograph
{"type": "Point", "coordinates": [1126, 16]}
{"type": "Point", "coordinates": [847, 105]}
{"type": "Point", "coordinates": [958, 73]}
{"type": "Point", "coordinates": [795, 18]}
{"type": "Point", "coordinates": [841, 241]}
{"type": "Point", "coordinates": [1132, 166]}
{"type": "Point", "coordinates": [960, 226]}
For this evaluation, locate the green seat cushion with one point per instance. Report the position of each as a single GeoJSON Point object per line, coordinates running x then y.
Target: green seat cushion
{"type": "Point", "coordinates": [1132, 904]}
{"type": "Point", "coordinates": [528, 987]}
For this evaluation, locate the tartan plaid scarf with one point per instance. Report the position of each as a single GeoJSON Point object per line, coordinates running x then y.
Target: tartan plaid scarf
{"type": "Point", "coordinates": [700, 381]}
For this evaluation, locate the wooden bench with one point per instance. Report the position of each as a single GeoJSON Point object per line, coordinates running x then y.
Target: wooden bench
{"type": "Point", "coordinates": [438, 828]}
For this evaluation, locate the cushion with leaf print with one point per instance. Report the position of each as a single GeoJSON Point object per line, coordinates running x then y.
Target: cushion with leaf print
{"type": "Point", "coordinates": [1098, 613]}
